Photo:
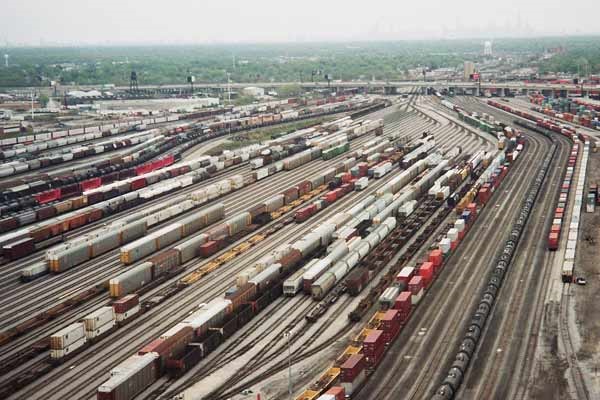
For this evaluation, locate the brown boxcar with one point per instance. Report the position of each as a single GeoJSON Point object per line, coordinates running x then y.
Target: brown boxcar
{"type": "Point", "coordinates": [244, 294]}
{"type": "Point", "coordinates": [46, 212]}
{"type": "Point", "coordinates": [126, 303]}
{"type": "Point", "coordinates": [164, 262]}
{"type": "Point", "coordinates": [7, 224]}
{"type": "Point", "coordinates": [41, 234]}
{"type": "Point", "coordinates": [18, 249]}
{"type": "Point", "coordinates": [208, 249]}
{"type": "Point", "coordinates": [95, 214]}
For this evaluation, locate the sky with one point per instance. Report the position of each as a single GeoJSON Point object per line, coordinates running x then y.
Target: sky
{"type": "Point", "coordinates": [110, 22]}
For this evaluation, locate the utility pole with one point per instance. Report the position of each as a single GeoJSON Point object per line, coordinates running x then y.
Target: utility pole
{"type": "Point", "coordinates": [32, 106]}
{"type": "Point", "coordinates": [228, 87]}
{"type": "Point", "coordinates": [191, 79]}
{"type": "Point", "coordinates": [287, 335]}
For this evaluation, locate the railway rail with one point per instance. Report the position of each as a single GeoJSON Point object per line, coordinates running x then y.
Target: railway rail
{"type": "Point", "coordinates": [528, 302]}
{"type": "Point", "coordinates": [419, 359]}
{"type": "Point", "coordinates": [315, 167]}
{"type": "Point", "coordinates": [479, 329]}
{"type": "Point", "coordinates": [577, 379]}
{"type": "Point", "coordinates": [89, 373]}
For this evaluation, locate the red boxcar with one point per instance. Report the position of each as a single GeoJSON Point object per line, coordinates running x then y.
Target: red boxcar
{"type": "Point", "coordinates": [305, 213]}
{"type": "Point", "coordinates": [553, 241]}
{"type": "Point", "coordinates": [403, 304]}
{"type": "Point", "coordinates": [91, 184]}
{"type": "Point", "coordinates": [436, 258]}
{"type": "Point", "coordinates": [390, 323]}
{"type": "Point", "coordinates": [47, 196]}
{"type": "Point", "coordinates": [415, 285]}
{"type": "Point", "coordinates": [426, 271]}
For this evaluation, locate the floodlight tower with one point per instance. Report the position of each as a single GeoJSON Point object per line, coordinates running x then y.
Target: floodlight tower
{"type": "Point", "coordinates": [133, 82]}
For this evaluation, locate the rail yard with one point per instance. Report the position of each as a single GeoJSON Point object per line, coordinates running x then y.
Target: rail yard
{"type": "Point", "coordinates": [363, 246]}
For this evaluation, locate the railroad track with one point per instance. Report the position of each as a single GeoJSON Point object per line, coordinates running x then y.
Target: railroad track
{"type": "Point", "coordinates": [221, 288]}
{"type": "Point", "coordinates": [17, 288]}
{"type": "Point", "coordinates": [136, 332]}
{"type": "Point", "coordinates": [511, 335]}
{"type": "Point", "coordinates": [20, 286]}
{"type": "Point", "coordinates": [304, 350]}
{"type": "Point", "coordinates": [294, 310]}
{"type": "Point", "coordinates": [243, 342]}
{"type": "Point", "coordinates": [246, 384]}
{"type": "Point", "coordinates": [127, 338]}
{"type": "Point", "coordinates": [577, 378]}
{"type": "Point", "coordinates": [218, 176]}
{"type": "Point", "coordinates": [430, 334]}
{"type": "Point", "coordinates": [522, 304]}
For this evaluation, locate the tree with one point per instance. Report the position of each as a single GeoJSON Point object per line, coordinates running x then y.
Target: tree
{"type": "Point", "coordinates": [43, 99]}
{"type": "Point", "coordinates": [289, 91]}
{"type": "Point", "coordinates": [244, 100]}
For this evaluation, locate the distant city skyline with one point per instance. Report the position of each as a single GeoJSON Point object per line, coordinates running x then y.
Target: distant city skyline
{"type": "Point", "coordinates": [114, 22]}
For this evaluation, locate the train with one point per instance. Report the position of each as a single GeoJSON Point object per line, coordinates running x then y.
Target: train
{"type": "Point", "coordinates": [184, 174]}
{"type": "Point", "coordinates": [49, 140]}
{"type": "Point", "coordinates": [73, 338]}
{"type": "Point", "coordinates": [95, 204]}
{"type": "Point", "coordinates": [17, 194]}
{"type": "Point", "coordinates": [132, 227]}
{"type": "Point", "coordinates": [542, 126]}
{"type": "Point", "coordinates": [253, 291]}
{"type": "Point", "coordinates": [397, 302]}
{"type": "Point", "coordinates": [451, 383]}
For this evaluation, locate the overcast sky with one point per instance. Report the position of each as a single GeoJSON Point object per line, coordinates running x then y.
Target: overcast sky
{"type": "Point", "coordinates": [46, 22]}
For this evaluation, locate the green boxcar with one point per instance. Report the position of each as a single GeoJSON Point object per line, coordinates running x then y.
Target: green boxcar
{"type": "Point", "coordinates": [335, 151]}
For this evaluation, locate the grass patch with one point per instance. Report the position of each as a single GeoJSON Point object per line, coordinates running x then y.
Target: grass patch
{"type": "Point", "coordinates": [275, 131]}
{"type": "Point", "coordinates": [270, 132]}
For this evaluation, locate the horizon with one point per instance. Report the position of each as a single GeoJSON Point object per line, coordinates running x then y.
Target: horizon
{"type": "Point", "coordinates": [267, 43]}
{"type": "Point", "coordinates": [116, 22]}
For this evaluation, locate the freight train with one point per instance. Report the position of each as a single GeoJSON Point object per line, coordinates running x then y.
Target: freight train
{"type": "Point", "coordinates": [451, 383]}
{"type": "Point", "coordinates": [98, 203]}
{"type": "Point", "coordinates": [254, 290]}
{"type": "Point", "coordinates": [46, 188]}
{"type": "Point", "coordinates": [407, 287]}
{"type": "Point", "coordinates": [209, 242]}
{"type": "Point", "coordinates": [559, 226]}
{"type": "Point", "coordinates": [35, 162]}
{"type": "Point", "coordinates": [569, 132]}
{"type": "Point", "coordinates": [134, 226]}
{"type": "Point", "coordinates": [184, 174]}
{"type": "Point", "coordinates": [576, 111]}
{"type": "Point", "coordinates": [49, 140]}
{"type": "Point", "coordinates": [17, 193]}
